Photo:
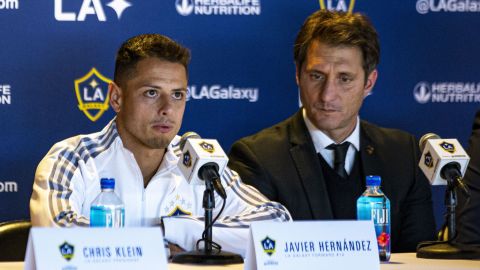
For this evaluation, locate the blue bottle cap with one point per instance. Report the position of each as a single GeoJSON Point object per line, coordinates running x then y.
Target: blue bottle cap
{"type": "Point", "coordinates": [373, 180]}
{"type": "Point", "coordinates": [107, 183]}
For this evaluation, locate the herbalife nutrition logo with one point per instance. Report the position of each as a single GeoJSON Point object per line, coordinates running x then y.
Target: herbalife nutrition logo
{"type": "Point", "coordinates": [5, 94]}
{"type": "Point", "coordinates": [422, 92]}
{"type": "Point", "coordinates": [447, 92]}
{"type": "Point", "coordinates": [184, 7]}
{"type": "Point", "coordinates": [218, 7]}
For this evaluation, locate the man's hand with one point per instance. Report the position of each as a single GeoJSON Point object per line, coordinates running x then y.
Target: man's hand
{"type": "Point", "coordinates": [175, 249]}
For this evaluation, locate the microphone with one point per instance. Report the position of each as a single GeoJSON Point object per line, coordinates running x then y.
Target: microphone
{"type": "Point", "coordinates": [202, 160]}
{"type": "Point", "coordinates": [443, 160]}
{"type": "Point", "coordinates": [186, 136]}
{"type": "Point", "coordinates": [201, 163]}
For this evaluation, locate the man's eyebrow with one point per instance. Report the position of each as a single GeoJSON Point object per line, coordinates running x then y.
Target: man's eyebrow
{"type": "Point", "coordinates": [151, 86]}
{"type": "Point", "coordinates": [180, 89]}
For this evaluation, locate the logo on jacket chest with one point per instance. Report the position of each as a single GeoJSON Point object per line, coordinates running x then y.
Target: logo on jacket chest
{"type": "Point", "coordinates": [178, 206]}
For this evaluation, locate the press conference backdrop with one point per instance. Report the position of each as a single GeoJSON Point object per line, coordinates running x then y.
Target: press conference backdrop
{"type": "Point", "coordinates": [57, 56]}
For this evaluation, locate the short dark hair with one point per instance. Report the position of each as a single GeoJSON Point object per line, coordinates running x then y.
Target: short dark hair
{"type": "Point", "coordinates": [145, 46]}
{"type": "Point", "coordinates": [336, 28]}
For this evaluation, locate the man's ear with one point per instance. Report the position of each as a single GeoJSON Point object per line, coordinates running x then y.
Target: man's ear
{"type": "Point", "coordinates": [371, 79]}
{"type": "Point", "coordinates": [297, 74]}
{"type": "Point", "coordinates": [115, 94]}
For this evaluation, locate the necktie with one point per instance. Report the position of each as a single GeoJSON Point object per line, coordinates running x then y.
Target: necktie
{"type": "Point", "coordinates": [339, 153]}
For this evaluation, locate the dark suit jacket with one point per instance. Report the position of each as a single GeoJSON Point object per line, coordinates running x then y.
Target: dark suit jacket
{"type": "Point", "coordinates": [282, 163]}
{"type": "Point", "coordinates": [468, 218]}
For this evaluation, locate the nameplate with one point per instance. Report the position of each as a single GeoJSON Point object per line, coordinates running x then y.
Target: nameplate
{"type": "Point", "coordinates": [304, 244]}
{"type": "Point", "coordinates": [95, 248]}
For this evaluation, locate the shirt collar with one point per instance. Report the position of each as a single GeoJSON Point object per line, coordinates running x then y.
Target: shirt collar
{"type": "Point", "coordinates": [321, 140]}
{"type": "Point", "coordinates": [170, 158]}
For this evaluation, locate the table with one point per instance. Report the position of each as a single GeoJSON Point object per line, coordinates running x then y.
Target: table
{"type": "Point", "coordinates": [399, 261]}
{"type": "Point", "coordinates": [409, 261]}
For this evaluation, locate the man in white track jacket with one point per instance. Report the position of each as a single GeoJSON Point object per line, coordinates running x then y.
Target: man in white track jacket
{"type": "Point", "coordinates": [140, 149]}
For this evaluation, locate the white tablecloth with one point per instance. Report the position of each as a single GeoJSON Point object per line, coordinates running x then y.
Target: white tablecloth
{"type": "Point", "coordinates": [399, 261]}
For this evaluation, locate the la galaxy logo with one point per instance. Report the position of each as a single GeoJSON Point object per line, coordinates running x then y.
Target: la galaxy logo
{"type": "Point", "coordinates": [339, 5]}
{"type": "Point", "coordinates": [92, 94]}
{"type": "Point", "coordinates": [268, 245]}
{"type": "Point", "coordinates": [187, 159]}
{"type": "Point", "coordinates": [207, 147]}
{"type": "Point", "coordinates": [178, 206]}
{"type": "Point", "coordinates": [67, 251]}
{"type": "Point", "coordinates": [178, 211]}
{"type": "Point", "coordinates": [88, 8]}
{"type": "Point", "coordinates": [448, 147]}
{"type": "Point", "coordinates": [428, 160]}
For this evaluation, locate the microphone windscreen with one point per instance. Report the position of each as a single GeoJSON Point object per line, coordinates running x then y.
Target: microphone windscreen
{"type": "Point", "coordinates": [425, 138]}
{"type": "Point", "coordinates": [186, 136]}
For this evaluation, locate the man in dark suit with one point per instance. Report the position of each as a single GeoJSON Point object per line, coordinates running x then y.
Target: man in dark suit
{"type": "Point", "coordinates": [315, 162]}
{"type": "Point", "coordinates": [468, 218]}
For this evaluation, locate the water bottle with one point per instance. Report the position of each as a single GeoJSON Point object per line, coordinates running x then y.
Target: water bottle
{"type": "Point", "coordinates": [107, 210]}
{"type": "Point", "coordinates": [374, 205]}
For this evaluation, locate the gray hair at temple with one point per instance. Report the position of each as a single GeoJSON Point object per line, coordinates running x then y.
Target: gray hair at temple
{"type": "Point", "coordinates": [339, 29]}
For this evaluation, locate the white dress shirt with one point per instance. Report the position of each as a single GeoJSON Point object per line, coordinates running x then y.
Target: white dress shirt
{"type": "Point", "coordinates": [321, 141]}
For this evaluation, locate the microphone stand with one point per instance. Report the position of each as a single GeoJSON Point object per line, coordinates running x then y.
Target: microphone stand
{"type": "Point", "coordinates": [208, 256]}
{"type": "Point", "coordinates": [447, 249]}
{"type": "Point", "coordinates": [208, 205]}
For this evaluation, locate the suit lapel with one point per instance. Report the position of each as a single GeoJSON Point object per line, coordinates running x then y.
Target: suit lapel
{"type": "Point", "coordinates": [309, 169]}
{"type": "Point", "coordinates": [371, 161]}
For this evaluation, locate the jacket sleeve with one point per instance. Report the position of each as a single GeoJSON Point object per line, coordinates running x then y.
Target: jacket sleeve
{"type": "Point", "coordinates": [244, 204]}
{"type": "Point", "coordinates": [58, 191]}
{"type": "Point", "coordinates": [417, 219]}
{"type": "Point", "coordinates": [468, 214]}
{"type": "Point", "coordinates": [245, 162]}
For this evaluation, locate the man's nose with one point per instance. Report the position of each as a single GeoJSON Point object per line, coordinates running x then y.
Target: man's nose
{"type": "Point", "coordinates": [329, 90]}
{"type": "Point", "coordinates": [165, 104]}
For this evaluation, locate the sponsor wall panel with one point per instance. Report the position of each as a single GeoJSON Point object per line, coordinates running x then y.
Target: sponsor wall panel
{"type": "Point", "coordinates": [241, 75]}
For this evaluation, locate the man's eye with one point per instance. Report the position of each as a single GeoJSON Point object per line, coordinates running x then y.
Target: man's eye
{"type": "Point", "coordinates": [316, 76]}
{"type": "Point", "coordinates": [345, 79]}
{"type": "Point", "coordinates": [151, 93]}
{"type": "Point", "coordinates": [178, 95]}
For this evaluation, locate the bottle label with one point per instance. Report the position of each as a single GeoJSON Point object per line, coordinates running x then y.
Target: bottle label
{"type": "Point", "coordinates": [380, 216]}
{"type": "Point", "coordinates": [104, 216]}
{"type": "Point", "coordinates": [381, 221]}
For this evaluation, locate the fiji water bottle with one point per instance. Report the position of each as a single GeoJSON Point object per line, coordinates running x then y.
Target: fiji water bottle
{"type": "Point", "coordinates": [107, 210]}
{"type": "Point", "coordinates": [374, 205]}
